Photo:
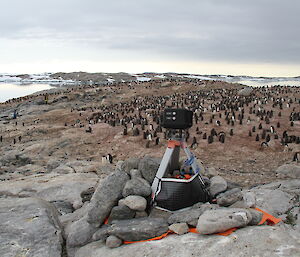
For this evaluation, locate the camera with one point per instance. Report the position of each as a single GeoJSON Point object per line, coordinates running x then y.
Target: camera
{"type": "Point", "coordinates": [176, 119]}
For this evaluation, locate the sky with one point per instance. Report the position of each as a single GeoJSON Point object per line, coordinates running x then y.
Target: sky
{"type": "Point", "coordinates": [237, 37]}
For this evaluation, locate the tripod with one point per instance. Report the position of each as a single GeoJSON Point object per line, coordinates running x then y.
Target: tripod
{"type": "Point", "coordinates": [170, 160]}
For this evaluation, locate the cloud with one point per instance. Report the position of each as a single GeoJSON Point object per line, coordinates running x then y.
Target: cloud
{"type": "Point", "coordinates": [191, 30]}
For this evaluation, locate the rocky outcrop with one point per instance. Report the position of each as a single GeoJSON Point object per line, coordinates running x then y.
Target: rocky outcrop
{"type": "Point", "coordinates": [290, 170]}
{"type": "Point", "coordinates": [29, 227]}
{"type": "Point", "coordinates": [148, 167]}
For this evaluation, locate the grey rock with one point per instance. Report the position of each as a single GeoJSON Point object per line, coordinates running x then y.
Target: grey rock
{"type": "Point", "coordinates": [217, 185]}
{"type": "Point", "coordinates": [74, 216]}
{"type": "Point", "coordinates": [29, 227]}
{"type": "Point", "coordinates": [138, 229]}
{"type": "Point", "coordinates": [220, 220]}
{"type": "Point", "coordinates": [107, 194]}
{"type": "Point", "coordinates": [50, 187]}
{"type": "Point", "coordinates": [63, 169]}
{"type": "Point", "coordinates": [179, 228]}
{"type": "Point", "coordinates": [249, 199]}
{"type": "Point", "coordinates": [134, 202]}
{"type": "Point", "coordinates": [191, 216]}
{"type": "Point", "coordinates": [290, 170]}
{"type": "Point", "coordinates": [113, 242]}
{"type": "Point", "coordinates": [79, 232]}
{"type": "Point", "coordinates": [101, 233]}
{"type": "Point", "coordinates": [135, 173]}
{"type": "Point", "coordinates": [121, 213]}
{"type": "Point", "coordinates": [229, 197]}
{"type": "Point", "coordinates": [256, 217]}
{"type": "Point", "coordinates": [254, 241]}
{"type": "Point", "coordinates": [137, 186]}
{"type": "Point", "coordinates": [129, 164]}
{"type": "Point", "coordinates": [290, 186]}
{"type": "Point", "coordinates": [52, 164]}
{"type": "Point", "coordinates": [86, 195]}
{"type": "Point", "coordinates": [140, 214]}
{"type": "Point", "coordinates": [148, 167]}
{"type": "Point", "coordinates": [63, 207]}
{"type": "Point", "coordinates": [275, 202]}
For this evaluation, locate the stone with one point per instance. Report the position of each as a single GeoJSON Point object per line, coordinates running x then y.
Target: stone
{"type": "Point", "coordinates": [79, 232]}
{"type": "Point", "coordinates": [217, 185]}
{"type": "Point", "coordinates": [74, 216]}
{"type": "Point", "coordinates": [249, 199]}
{"type": "Point", "coordinates": [191, 216]}
{"type": "Point", "coordinates": [229, 197]}
{"type": "Point", "coordinates": [256, 217]}
{"type": "Point", "coordinates": [290, 170]}
{"type": "Point", "coordinates": [121, 213]}
{"type": "Point", "coordinates": [275, 202]}
{"type": "Point", "coordinates": [63, 169]}
{"type": "Point", "coordinates": [290, 186]}
{"type": "Point", "coordinates": [101, 233]}
{"type": "Point", "coordinates": [250, 241]}
{"type": "Point", "coordinates": [220, 220]}
{"type": "Point", "coordinates": [138, 229]}
{"type": "Point", "coordinates": [129, 164]}
{"type": "Point", "coordinates": [107, 194]}
{"type": "Point", "coordinates": [134, 202]}
{"type": "Point", "coordinates": [29, 227]}
{"type": "Point", "coordinates": [137, 186]}
{"type": "Point", "coordinates": [211, 171]}
{"type": "Point", "coordinates": [140, 214]}
{"type": "Point", "coordinates": [179, 228]}
{"type": "Point", "coordinates": [63, 207]}
{"type": "Point", "coordinates": [135, 173]}
{"type": "Point", "coordinates": [148, 167]}
{"type": "Point", "coordinates": [86, 195]}
{"type": "Point", "coordinates": [113, 242]}
{"type": "Point", "coordinates": [50, 187]}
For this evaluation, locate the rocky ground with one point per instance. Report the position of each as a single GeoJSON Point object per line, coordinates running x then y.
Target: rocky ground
{"type": "Point", "coordinates": [52, 161]}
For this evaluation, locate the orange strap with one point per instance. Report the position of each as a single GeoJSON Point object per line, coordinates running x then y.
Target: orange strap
{"type": "Point", "coordinates": [173, 143]}
{"type": "Point", "coordinates": [150, 239]}
{"type": "Point", "coordinates": [268, 218]}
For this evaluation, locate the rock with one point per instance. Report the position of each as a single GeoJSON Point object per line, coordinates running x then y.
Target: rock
{"type": "Point", "coordinates": [220, 220]}
{"type": "Point", "coordinates": [256, 217]}
{"type": "Point", "coordinates": [148, 167]}
{"type": "Point", "coordinates": [275, 202]}
{"type": "Point", "coordinates": [249, 199]}
{"type": "Point", "coordinates": [247, 91]}
{"type": "Point", "coordinates": [290, 170]}
{"type": "Point", "coordinates": [129, 164]}
{"type": "Point", "coordinates": [63, 207]}
{"type": "Point", "coordinates": [290, 186]}
{"type": "Point", "coordinates": [79, 232]}
{"type": "Point", "coordinates": [74, 216]}
{"type": "Point", "coordinates": [138, 229]}
{"type": "Point", "coordinates": [86, 195]}
{"type": "Point", "coordinates": [50, 187]}
{"type": "Point", "coordinates": [229, 197]}
{"type": "Point", "coordinates": [52, 164]}
{"type": "Point", "coordinates": [191, 216]}
{"type": "Point", "coordinates": [211, 171]}
{"type": "Point", "coordinates": [29, 227]}
{"type": "Point", "coordinates": [217, 185]}
{"type": "Point", "coordinates": [134, 173]}
{"type": "Point", "coordinates": [121, 213]}
{"type": "Point", "coordinates": [63, 169]}
{"type": "Point", "coordinates": [101, 233]}
{"type": "Point", "coordinates": [179, 228]}
{"type": "Point", "coordinates": [107, 194]}
{"type": "Point", "coordinates": [137, 186]}
{"type": "Point", "coordinates": [253, 241]}
{"type": "Point", "coordinates": [141, 214]}
{"type": "Point", "coordinates": [113, 242]}
{"type": "Point", "coordinates": [134, 202]}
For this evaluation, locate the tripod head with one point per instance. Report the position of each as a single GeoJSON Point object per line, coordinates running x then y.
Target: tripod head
{"type": "Point", "coordinates": [177, 134]}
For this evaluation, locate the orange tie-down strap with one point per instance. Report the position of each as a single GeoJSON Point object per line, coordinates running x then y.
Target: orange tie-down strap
{"type": "Point", "coordinates": [266, 218]}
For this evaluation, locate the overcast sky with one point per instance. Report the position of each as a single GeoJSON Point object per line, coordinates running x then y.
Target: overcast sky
{"type": "Point", "coordinates": [257, 37]}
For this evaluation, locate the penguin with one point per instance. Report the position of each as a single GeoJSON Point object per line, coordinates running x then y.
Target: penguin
{"type": "Point", "coordinates": [231, 132]}
{"type": "Point", "coordinates": [109, 158]}
{"type": "Point", "coordinates": [296, 157]}
{"type": "Point", "coordinates": [257, 138]}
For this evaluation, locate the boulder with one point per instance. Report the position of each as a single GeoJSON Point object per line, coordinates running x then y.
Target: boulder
{"type": "Point", "coordinates": [138, 229]}
{"type": "Point", "coordinates": [229, 197]}
{"type": "Point", "coordinates": [134, 202]}
{"type": "Point", "coordinates": [290, 170]}
{"type": "Point", "coordinates": [63, 207]}
{"type": "Point", "coordinates": [107, 194]}
{"type": "Point", "coordinates": [217, 185]}
{"type": "Point", "coordinates": [121, 213]}
{"type": "Point", "coordinates": [134, 173]}
{"type": "Point", "coordinates": [113, 242]}
{"type": "Point", "coordinates": [29, 227]}
{"type": "Point", "coordinates": [50, 187]}
{"type": "Point", "coordinates": [191, 216]}
{"type": "Point", "coordinates": [220, 220]}
{"type": "Point", "coordinates": [256, 217]}
{"type": "Point", "coordinates": [137, 186]}
{"type": "Point", "coordinates": [247, 91]}
{"type": "Point", "coordinates": [179, 228]}
{"type": "Point", "coordinates": [129, 164]}
{"type": "Point", "coordinates": [290, 186]}
{"type": "Point", "coordinates": [86, 195]}
{"type": "Point", "coordinates": [63, 169]}
{"type": "Point", "coordinates": [253, 241]}
{"type": "Point", "coordinates": [148, 167]}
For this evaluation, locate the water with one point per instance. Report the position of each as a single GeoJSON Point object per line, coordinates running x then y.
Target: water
{"type": "Point", "coordinates": [260, 83]}
{"type": "Point", "coordinates": [9, 90]}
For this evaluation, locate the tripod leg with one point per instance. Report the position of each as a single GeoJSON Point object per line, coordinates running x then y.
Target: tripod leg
{"type": "Point", "coordinates": [161, 170]}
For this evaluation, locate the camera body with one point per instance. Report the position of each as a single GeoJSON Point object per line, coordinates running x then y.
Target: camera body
{"type": "Point", "coordinates": [176, 119]}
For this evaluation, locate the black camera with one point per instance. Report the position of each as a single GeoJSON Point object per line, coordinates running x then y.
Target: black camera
{"type": "Point", "coordinates": [176, 119]}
